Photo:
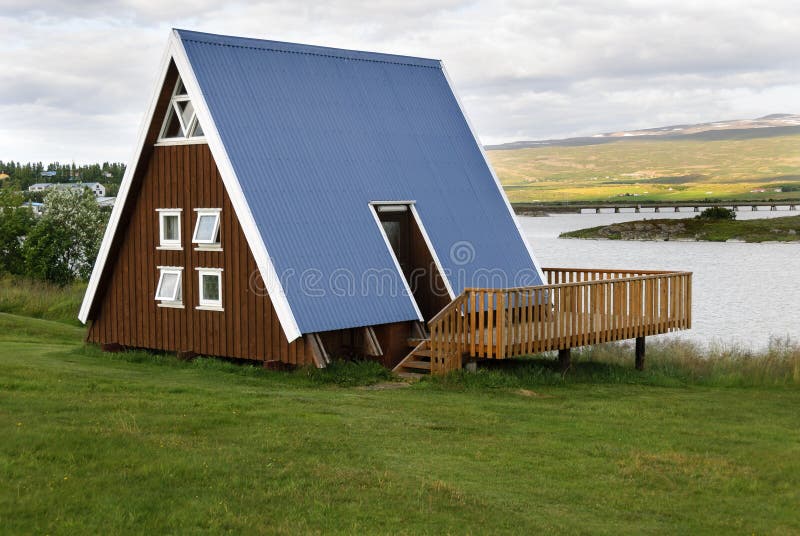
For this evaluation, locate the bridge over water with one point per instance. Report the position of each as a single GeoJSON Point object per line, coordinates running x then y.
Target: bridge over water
{"type": "Point", "coordinates": [535, 208]}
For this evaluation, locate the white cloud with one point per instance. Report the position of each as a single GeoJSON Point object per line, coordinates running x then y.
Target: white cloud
{"type": "Point", "coordinates": [76, 75]}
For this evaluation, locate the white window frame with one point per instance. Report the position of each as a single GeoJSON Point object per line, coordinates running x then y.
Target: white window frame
{"type": "Point", "coordinates": [204, 303]}
{"type": "Point", "coordinates": [176, 300]}
{"type": "Point", "coordinates": [213, 243]}
{"type": "Point", "coordinates": [186, 129]}
{"type": "Point", "coordinates": [163, 243]}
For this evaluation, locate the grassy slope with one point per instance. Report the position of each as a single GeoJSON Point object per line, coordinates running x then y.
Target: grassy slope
{"type": "Point", "coordinates": [99, 443]}
{"type": "Point", "coordinates": [774, 229]}
{"type": "Point", "coordinates": [692, 169]}
{"type": "Point", "coordinates": [41, 300]}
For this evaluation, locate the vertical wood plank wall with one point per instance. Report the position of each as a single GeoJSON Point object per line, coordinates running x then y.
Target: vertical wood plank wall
{"type": "Point", "coordinates": [126, 313]}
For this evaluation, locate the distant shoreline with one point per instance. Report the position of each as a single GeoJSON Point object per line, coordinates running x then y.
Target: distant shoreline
{"type": "Point", "coordinates": [785, 229]}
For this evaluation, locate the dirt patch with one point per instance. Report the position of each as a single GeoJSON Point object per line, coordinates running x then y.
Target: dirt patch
{"type": "Point", "coordinates": [532, 394]}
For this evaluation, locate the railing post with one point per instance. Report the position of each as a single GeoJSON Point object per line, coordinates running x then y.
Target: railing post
{"type": "Point", "coordinates": [564, 359]}
{"type": "Point", "coordinates": [501, 321]}
{"type": "Point", "coordinates": [472, 324]}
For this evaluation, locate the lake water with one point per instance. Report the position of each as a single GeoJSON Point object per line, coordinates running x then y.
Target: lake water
{"type": "Point", "coordinates": [743, 294]}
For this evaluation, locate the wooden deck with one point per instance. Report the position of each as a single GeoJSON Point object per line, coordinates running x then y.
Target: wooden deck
{"type": "Point", "coordinates": [577, 307]}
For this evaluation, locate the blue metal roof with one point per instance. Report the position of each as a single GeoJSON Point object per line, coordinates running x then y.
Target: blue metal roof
{"type": "Point", "coordinates": [315, 134]}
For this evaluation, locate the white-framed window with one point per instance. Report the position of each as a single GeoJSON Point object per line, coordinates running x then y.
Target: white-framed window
{"type": "Point", "coordinates": [206, 229]}
{"type": "Point", "coordinates": [169, 291]}
{"type": "Point", "coordinates": [169, 225]}
{"type": "Point", "coordinates": [181, 122]}
{"type": "Point", "coordinates": [210, 288]}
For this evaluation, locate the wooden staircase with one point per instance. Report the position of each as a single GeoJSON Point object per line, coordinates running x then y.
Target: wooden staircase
{"type": "Point", "coordinates": [417, 364]}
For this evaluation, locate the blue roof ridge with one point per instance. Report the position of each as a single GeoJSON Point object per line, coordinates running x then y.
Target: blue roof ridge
{"type": "Point", "coordinates": [311, 50]}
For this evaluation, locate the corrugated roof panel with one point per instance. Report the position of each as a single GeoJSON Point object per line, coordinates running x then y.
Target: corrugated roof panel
{"type": "Point", "coordinates": [315, 134]}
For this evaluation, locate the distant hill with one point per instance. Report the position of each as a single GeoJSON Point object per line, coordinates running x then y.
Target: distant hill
{"type": "Point", "coordinates": [753, 159]}
{"type": "Point", "coordinates": [734, 129]}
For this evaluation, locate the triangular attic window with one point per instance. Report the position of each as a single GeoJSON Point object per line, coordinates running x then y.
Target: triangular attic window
{"type": "Point", "coordinates": [181, 121]}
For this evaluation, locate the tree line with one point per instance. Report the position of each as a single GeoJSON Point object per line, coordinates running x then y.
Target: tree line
{"type": "Point", "coordinates": [22, 175]}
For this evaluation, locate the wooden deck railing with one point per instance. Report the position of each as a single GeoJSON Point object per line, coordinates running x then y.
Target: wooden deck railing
{"type": "Point", "coordinates": [577, 307]}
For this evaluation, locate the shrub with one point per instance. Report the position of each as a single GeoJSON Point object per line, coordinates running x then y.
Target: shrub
{"type": "Point", "coordinates": [717, 213]}
{"type": "Point", "coordinates": [64, 242]}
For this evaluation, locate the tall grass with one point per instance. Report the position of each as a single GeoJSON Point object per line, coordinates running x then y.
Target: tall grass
{"type": "Point", "coordinates": [721, 365]}
{"type": "Point", "coordinates": [668, 363]}
{"type": "Point", "coordinates": [37, 299]}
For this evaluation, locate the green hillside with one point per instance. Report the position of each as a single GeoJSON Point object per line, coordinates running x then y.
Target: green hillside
{"type": "Point", "coordinates": [653, 170]}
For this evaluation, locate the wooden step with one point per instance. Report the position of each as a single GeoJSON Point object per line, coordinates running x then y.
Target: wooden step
{"type": "Point", "coordinates": [417, 363]}
{"type": "Point", "coordinates": [424, 365]}
{"type": "Point", "coordinates": [413, 342]}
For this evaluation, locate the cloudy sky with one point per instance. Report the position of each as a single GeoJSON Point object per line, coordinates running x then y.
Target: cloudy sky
{"type": "Point", "coordinates": [76, 74]}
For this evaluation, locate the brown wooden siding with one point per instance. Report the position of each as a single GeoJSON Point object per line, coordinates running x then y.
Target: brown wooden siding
{"type": "Point", "coordinates": [126, 313]}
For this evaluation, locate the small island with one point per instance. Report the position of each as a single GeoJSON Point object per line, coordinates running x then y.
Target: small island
{"type": "Point", "coordinates": [713, 225]}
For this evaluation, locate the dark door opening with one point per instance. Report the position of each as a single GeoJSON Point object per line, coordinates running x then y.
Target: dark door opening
{"type": "Point", "coordinates": [415, 258]}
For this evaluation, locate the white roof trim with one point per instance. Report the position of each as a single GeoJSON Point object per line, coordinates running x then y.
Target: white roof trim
{"type": "Point", "coordinates": [494, 176]}
{"type": "Point", "coordinates": [176, 52]}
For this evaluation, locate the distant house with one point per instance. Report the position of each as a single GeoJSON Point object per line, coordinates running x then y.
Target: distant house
{"type": "Point", "coordinates": [95, 187]}
{"type": "Point", "coordinates": [39, 186]}
{"type": "Point", "coordinates": [36, 208]}
{"type": "Point", "coordinates": [48, 173]}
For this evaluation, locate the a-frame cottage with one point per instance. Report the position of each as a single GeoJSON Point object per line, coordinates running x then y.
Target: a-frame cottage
{"type": "Point", "coordinates": [289, 203]}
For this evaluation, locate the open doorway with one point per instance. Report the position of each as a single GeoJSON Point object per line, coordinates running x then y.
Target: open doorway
{"type": "Point", "coordinates": [408, 241]}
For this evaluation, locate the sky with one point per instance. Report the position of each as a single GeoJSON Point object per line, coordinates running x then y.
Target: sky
{"type": "Point", "coordinates": [76, 75]}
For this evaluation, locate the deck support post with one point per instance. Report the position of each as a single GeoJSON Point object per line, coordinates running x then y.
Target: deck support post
{"type": "Point", "coordinates": [564, 359]}
{"type": "Point", "coordinates": [640, 353]}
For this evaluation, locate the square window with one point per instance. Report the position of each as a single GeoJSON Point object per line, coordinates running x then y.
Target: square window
{"type": "Point", "coordinates": [206, 230]}
{"type": "Point", "coordinates": [210, 282]}
{"type": "Point", "coordinates": [170, 228]}
{"type": "Point", "coordinates": [168, 289]}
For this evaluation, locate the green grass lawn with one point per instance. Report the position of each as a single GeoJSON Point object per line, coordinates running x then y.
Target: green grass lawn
{"type": "Point", "coordinates": [652, 170]}
{"type": "Point", "coordinates": [134, 443]}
